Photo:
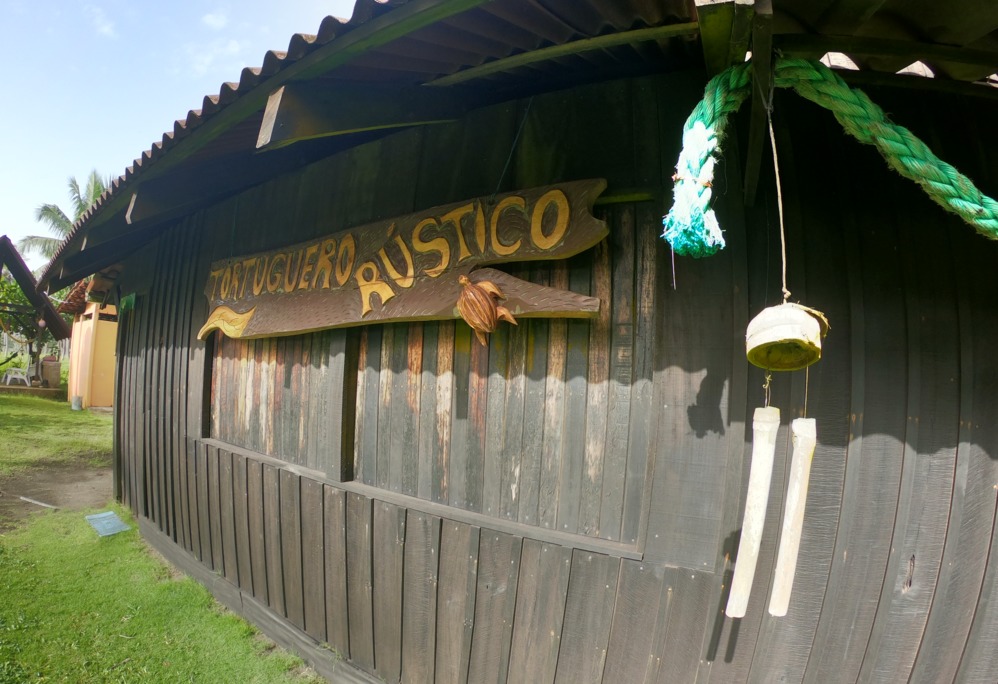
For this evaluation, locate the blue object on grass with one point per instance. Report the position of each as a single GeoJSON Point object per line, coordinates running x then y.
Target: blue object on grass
{"type": "Point", "coordinates": [107, 523]}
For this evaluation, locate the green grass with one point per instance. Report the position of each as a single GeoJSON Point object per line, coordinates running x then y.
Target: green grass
{"type": "Point", "coordinates": [36, 431]}
{"type": "Point", "coordinates": [80, 608]}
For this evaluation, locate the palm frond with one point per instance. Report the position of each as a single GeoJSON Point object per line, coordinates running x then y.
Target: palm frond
{"type": "Point", "coordinates": [76, 196]}
{"type": "Point", "coordinates": [45, 246]}
{"type": "Point", "coordinates": [54, 218]}
{"type": "Point", "coordinates": [95, 188]}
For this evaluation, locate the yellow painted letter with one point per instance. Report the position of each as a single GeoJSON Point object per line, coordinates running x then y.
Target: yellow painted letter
{"type": "Point", "coordinates": [370, 282]}
{"type": "Point", "coordinates": [437, 244]}
{"type": "Point", "coordinates": [551, 197]}
{"type": "Point", "coordinates": [513, 201]}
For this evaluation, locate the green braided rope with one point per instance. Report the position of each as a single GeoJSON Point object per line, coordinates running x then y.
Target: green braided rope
{"type": "Point", "coordinates": [691, 228]}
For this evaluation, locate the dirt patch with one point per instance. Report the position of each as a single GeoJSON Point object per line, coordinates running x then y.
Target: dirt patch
{"type": "Point", "coordinates": [72, 487]}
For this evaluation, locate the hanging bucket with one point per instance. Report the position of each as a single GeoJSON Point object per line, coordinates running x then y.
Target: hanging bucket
{"type": "Point", "coordinates": [786, 337]}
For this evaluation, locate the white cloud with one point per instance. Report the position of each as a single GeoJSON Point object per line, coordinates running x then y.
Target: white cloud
{"type": "Point", "coordinates": [216, 20]}
{"type": "Point", "coordinates": [204, 58]}
{"type": "Point", "coordinates": [100, 21]}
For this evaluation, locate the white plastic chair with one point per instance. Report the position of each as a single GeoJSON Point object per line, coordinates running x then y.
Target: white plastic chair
{"type": "Point", "coordinates": [21, 374]}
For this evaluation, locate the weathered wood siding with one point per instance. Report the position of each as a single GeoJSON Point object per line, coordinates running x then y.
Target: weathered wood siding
{"type": "Point", "coordinates": [564, 504]}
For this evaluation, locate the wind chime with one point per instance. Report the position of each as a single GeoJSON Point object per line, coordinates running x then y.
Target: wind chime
{"type": "Point", "coordinates": [787, 337]}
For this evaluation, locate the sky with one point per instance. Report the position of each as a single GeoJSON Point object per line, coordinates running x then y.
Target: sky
{"type": "Point", "coordinates": [93, 84]}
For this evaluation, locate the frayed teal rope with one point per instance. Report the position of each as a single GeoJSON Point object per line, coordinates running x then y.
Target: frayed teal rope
{"type": "Point", "coordinates": [691, 227]}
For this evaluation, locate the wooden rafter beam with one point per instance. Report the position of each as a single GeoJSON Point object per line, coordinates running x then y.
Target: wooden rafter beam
{"type": "Point", "coordinates": [381, 30]}
{"type": "Point", "coordinates": [908, 82]}
{"type": "Point", "coordinates": [10, 258]}
{"type": "Point", "coordinates": [184, 191]}
{"type": "Point", "coordinates": [724, 32]}
{"type": "Point", "coordinates": [96, 258]}
{"type": "Point", "coordinates": [574, 47]}
{"type": "Point", "coordinates": [845, 16]}
{"type": "Point", "coordinates": [762, 80]}
{"type": "Point", "coordinates": [317, 109]}
{"type": "Point", "coordinates": [814, 46]}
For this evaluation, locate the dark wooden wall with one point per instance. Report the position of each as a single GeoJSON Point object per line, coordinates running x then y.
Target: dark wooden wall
{"type": "Point", "coordinates": [355, 487]}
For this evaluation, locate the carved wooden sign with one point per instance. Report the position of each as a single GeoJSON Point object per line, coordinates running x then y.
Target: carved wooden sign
{"type": "Point", "coordinates": [408, 268]}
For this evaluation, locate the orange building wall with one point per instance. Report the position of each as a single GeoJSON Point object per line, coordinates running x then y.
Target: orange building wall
{"type": "Point", "coordinates": [92, 357]}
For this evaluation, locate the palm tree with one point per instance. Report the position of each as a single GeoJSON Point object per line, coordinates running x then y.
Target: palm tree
{"type": "Point", "coordinates": [58, 223]}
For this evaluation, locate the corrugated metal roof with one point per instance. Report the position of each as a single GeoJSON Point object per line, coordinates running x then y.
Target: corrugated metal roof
{"type": "Point", "coordinates": [413, 42]}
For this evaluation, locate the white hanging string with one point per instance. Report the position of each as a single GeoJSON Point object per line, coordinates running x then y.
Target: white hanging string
{"type": "Point", "coordinates": [779, 202]}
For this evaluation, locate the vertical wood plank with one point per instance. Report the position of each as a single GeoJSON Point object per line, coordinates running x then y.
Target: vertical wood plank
{"type": "Point", "coordinates": [291, 547]}
{"type": "Point", "coordinates": [193, 498]}
{"type": "Point", "coordinates": [931, 436]}
{"type": "Point", "coordinates": [875, 448]}
{"type": "Point", "coordinates": [680, 632]}
{"type": "Point", "coordinates": [428, 452]}
{"type": "Point", "coordinates": [279, 398]}
{"type": "Point", "coordinates": [573, 436]}
{"type": "Point", "coordinates": [631, 647]}
{"type": "Point", "coordinates": [204, 507]}
{"type": "Point", "coordinates": [459, 544]}
{"type": "Point", "coordinates": [388, 553]}
{"type": "Point", "coordinates": [240, 502]}
{"type": "Point", "coordinates": [621, 302]}
{"type": "Point", "coordinates": [342, 407]}
{"type": "Point", "coordinates": [785, 643]}
{"type": "Point", "coordinates": [368, 420]}
{"type": "Point", "coordinates": [296, 443]}
{"type": "Point", "coordinates": [694, 356]}
{"type": "Point", "coordinates": [540, 610]}
{"type": "Point", "coordinates": [495, 602]}
{"type": "Point", "coordinates": [406, 424]}
{"type": "Point", "coordinates": [419, 593]}
{"type": "Point", "coordinates": [183, 504]}
{"type": "Point", "coordinates": [477, 408]}
{"type": "Point", "coordinates": [444, 378]}
{"type": "Point", "coordinates": [511, 453]}
{"type": "Point", "coordinates": [976, 475]}
{"type": "Point", "coordinates": [459, 418]}
{"type": "Point", "coordinates": [272, 538]}
{"type": "Point", "coordinates": [592, 589]}
{"type": "Point", "coordinates": [359, 581]}
{"type": "Point", "coordinates": [215, 510]}
{"type": "Point", "coordinates": [392, 337]}
{"type": "Point", "coordinates": [258, 549]}
{"type": "Point", "coordinates": [313, 572]}
{"type": "Point", "coordinates": [554, 412]}
{"type": "Point", "coordinates": [360, 469]}
{"type": "Point", "coordinates": [535, 371]}
{"type": "Point", "coordinates": [314, 427]}
{"type": "Point", "coordinates": [495, 419]}
{"type": "Point", "coordinates": [403, 410]}
{"type": "Point", "coordinates": [597, 399]}
{"type": "Point", "coordinates": [335, 549]}
{"type": "Point", "coordinates": [199, 357]}
{"type": "Point", "coordinates": [227, 517]}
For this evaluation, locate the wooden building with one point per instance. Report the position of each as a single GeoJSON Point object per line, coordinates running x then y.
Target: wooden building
{"type": "Point", "coordinates": [565, 503]}
{"type": "Point", "coordinates": [92, 352]}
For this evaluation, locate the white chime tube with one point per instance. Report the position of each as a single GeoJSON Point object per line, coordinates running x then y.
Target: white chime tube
{"type": "Point", "coordinates": [765, 425]}
{"type": "Point", "coordinates": [804, 439]}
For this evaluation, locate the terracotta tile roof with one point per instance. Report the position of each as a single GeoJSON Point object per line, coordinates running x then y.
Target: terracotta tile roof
{"type": "Point", "coordinates": [76, 301]}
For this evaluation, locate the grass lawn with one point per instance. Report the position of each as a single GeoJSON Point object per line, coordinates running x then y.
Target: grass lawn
{"type": "Point", "coordinates": [80, 608]}
{"type": "Point", "coordinates": [75, 607]}
{"type": "Point", "coordinates": [34, 430]}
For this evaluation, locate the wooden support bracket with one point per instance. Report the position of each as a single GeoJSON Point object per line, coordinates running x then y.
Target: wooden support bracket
{"type": "Point", "coordinates": [321, 108]}
{"type": "Point", "coordinates": [724, 32]}
{"type": "Point", "coordinates": [762, 83]}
